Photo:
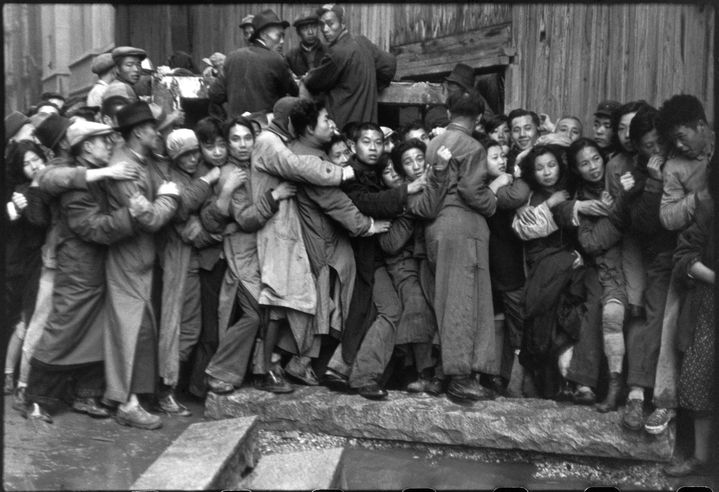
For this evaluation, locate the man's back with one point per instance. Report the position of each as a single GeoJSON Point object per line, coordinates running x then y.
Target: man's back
{"type": "Point", "coordinates": [254, 79]}
{"type": "Point", "coordinates": [350, 73]}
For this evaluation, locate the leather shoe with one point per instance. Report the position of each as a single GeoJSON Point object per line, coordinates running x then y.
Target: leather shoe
{"type": "Point", "coordinates": [372, 392]}
{"type": "Point", "coordinates": [301, 372]}
{"type": "Point", "coordinates": [35, 412]}
{"type": "Point", "coordinates": [335, 381]}
{"type": "Point", "coordinates": [274, 382]}
{"type": "Point", "coordinates": [467, 388]}
{"type": "Point", "coordinates": [137, 416]}
{"type": "Point", "coordinates": [418, 386]}
{"type": "Point", "coordinates": [692, 466]}
{"type": "Point", "coordinates": [565, 393]}
{"type": "Point", "coordinates": [169, 404]}
{"type": "Point", "coordinates": [584, 396]}
{"type": "Point", "coordinates": [91, 407]}
{"type": "Point", "coordinates": [435, 386]}
{"type": "Point", "coordinates": [218, 386]}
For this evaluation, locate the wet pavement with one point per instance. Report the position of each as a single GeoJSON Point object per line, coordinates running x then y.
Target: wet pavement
{"type": "Point", "coordinates": [76, 452]}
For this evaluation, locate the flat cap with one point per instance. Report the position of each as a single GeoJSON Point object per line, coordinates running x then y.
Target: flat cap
{"type": "Point", "coordinates": [102, 63]}
{"type": "Point", "coordinates": [81, 130]}
{"type": "Point", "coordinates": [246, 20]}
{"type": "Point", "coordinates": [121, 51]}
{"type": "Point", "coordinates": [214, 59]}
{"type": "Point", "coordinates": [331, 7]}
{"type": "Point", "coordinates": [306, 19]}
{"type": "Point", "coordinates": [607, 108]}
{"type": "Point", "coordinates": [13, 122]}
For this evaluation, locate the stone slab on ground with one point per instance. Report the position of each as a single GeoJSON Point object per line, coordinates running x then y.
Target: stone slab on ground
{"type": "Point", "coordinates": [528, 424]}
{"type": "Point", "coordinates": [208, 455]}
{"type": "Point", "coordinates": [302, 470]}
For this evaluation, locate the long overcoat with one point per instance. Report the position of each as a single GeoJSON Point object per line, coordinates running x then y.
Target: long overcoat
{"type": "Point", "coordinates": [74, 330]}
{"type": "Point", "coordinates": [351, 73]}
{"type": "Point", "coordinates": [458, 254]}
{"type": "Point", "coordinates": [129, 271]}
{"type": "Point", "coordinates": [177, 254]}
{"type": "Point", "coordinates": [322, 210]}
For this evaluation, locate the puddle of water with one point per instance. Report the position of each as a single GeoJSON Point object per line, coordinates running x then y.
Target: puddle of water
{"type": "Point", "coordinates": [365, 469]}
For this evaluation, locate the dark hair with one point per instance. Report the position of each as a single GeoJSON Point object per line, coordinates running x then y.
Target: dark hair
{"type": "Point", "coordinates": [304, 114]}
{"type": "Point", "coordinates": [412, 143]}
{"type": "Point", "coordinates": [181, 59]}
{"type": "Point", "coordinates": [46, 103]}
{"type": "Point", "coordinates": [382, 162]}
{"type": "Point", "coordinates": [208, 129]}
{"type": "Point", "coordinates": [335, 140]}
{"type": "Point", "coordinates": [415, 125]}
{"type": "Point", "coordinates": [15, 161]}
{"type": "Point", "coordinates": [349, 130]}
{"type": "Point", "coordinates": [518, 113]}
{"type": "Point", "coordinates": [239, 120]}
{"type": "Point", "coordinates": [495, 121]}
{"type": "Point", "coordinates": [576, 147]}
{"type": "Point", "coordinates": [367, 126]}
{"type": "Point", "coordinates": [488, 142]}
{"type": "Point", "coordinates": [643, 122]}
{"type": "Point", "coordinates": [679, 110]}
{"type": "Point", "coordinates": [467, 103]}
{"type": "Point", "coordinates": [626, 108]}
{"type": "Point", "coordinates": [527, 165]}
{"type": "Point", "coordinates": [113, 104]}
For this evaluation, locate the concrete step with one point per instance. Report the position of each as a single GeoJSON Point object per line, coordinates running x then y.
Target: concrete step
{"type": "Point", "coordinates": [302, 470]}
{"type": "Point", "coordinates": [208, 455]}
{"type": "Point", "coordinates": [526, 424]}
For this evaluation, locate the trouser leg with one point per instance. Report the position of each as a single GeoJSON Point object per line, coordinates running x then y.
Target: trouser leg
{"type": "Point", "coordinates": [645, 336]}
{"type": "Point", "coordinates": [587, 352]}
{"type": "Point", "coordinates": [43, 306]}
{"type": "Point", "coordinates": [191, 324]}
{"type": "Point", "coordinates": [665, 383]}
{"type": "Point", "coordinates": [210, 284]}
{"type": "Point", "coordinates": [232, 358]}
{"type": "Point", "coordinates": [376, 348]}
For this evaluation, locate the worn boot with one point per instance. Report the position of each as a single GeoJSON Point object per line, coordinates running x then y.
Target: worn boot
{"type": "Point", "coordinates": [613, 392]}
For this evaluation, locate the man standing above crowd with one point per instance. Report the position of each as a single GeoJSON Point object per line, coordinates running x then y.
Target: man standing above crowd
{"type": "Point", "coordinates": [127, 72]}
{"type": "Point", "coordinates": [351, 73]}
{"type": "Point", "coordinates": [310, 51]}
{"type": "Point", "coordinates": [257, 76]}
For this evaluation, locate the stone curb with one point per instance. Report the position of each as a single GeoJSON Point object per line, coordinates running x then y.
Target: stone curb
{"type": "Point", "coordinates": [207, 456]}
{"type": "Point", "coordinates": [527, 424]}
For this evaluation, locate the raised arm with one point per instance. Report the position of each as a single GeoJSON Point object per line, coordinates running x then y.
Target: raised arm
{"type": "Point", "coordinates": [87, 220]}
{"type": "Point", "coordinates": [335, 203]}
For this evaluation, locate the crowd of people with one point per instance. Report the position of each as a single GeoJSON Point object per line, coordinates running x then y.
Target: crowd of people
{"type": "Point", "coordinates": [288, 239]}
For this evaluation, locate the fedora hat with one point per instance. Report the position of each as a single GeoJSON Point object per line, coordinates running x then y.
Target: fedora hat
{"type": "Point", "coordinates": [463, 75]}
{"type": "Point", "coordinates": [265, 19]}
{"type": "Point", "coordinates": [134, 114]}
{"type": "Point", "coordinates": [52, 129]}
{"type": "Point", "coordinates": [246, 21]}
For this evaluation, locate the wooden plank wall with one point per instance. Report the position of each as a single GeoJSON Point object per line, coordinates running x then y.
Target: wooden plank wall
{"type": "Point", "coordinates": [571, 56]}
{"type": "Point", "coordinates": [214, 27]}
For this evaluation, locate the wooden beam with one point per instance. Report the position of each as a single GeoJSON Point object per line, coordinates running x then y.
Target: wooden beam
{"type": "Point", "coordinates": [479, 48]}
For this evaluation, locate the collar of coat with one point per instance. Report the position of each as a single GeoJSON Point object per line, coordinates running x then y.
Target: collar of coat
{"type": "Point", "coordinates": [455, 126]}
{"type": "Point", "coordinates": [311, 47]}
{"type": "Point", "coordinates": [343, 35]}
{"type": "Point", "coordinates": [362, 168]}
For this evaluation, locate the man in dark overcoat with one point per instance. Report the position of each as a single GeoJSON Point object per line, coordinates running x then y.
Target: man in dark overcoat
{"type": "Point", "coordinates": [352, 72]}
{"type": "Point", "coordinates": [256, 76]}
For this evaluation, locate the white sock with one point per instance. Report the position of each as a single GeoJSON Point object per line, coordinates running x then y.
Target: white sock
{"type": "Point", "coordinates": [636, 393]}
